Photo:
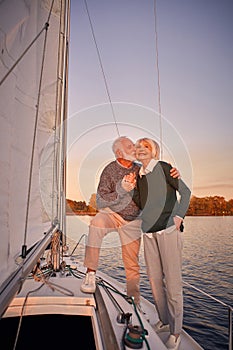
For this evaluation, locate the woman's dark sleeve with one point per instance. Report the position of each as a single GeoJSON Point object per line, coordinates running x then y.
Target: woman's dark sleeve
{"type": "Point", "coordinates": [136, 197]}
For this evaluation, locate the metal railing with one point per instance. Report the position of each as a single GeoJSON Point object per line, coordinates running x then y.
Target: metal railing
{"type": "Point", "coordinates": [230, 311]}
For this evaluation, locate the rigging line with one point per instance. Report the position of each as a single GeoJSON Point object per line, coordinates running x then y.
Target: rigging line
{"type": "Point", "coordinates": [77, 244]}
{"type": "Point", "coordinates": [158, 81]}
{"type": "Point", "coordinates": [22, 312]}
{"type": "Point", "coordinates": [111, 297]}
{"type": "Point", "coordinates": [28, 48]}
{"type": "Point", "coordinates": [35, 133]}
{"type": "Point", "coordinates": [23, 54]}
{"type": "Point", "coordinates": [102, 68]}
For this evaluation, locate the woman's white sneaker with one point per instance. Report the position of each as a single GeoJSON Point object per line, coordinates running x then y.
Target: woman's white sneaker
{"type": "Point", "coordinates": [173, 342]}
{"type": "Point", "coordinates": [88, 284]}
{"type": "Point", "coordinates": [159, 327]}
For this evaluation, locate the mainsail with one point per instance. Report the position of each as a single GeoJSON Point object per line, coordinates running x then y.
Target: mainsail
{"type": "Point", "coordinates": [33, 69]}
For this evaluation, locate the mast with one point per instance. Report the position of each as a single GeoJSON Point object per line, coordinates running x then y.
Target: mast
{"type": "Point", "coordinates": [61, 126]}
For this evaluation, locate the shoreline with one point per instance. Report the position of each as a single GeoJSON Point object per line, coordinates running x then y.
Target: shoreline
{"type": "Point", "coordinates": [77, 213]}
{"type": "Point", "coordinates": [81, 213]}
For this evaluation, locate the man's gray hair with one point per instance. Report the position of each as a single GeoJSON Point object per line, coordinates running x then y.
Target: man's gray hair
{"type": "Point", "coordinates": [117, 144]}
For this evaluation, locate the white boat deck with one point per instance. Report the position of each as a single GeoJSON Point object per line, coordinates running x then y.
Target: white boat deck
{"type": "Point", "coordinates": [63, 297]}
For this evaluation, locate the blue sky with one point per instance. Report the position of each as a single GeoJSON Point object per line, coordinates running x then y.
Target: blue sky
{"type": "Point", "coordinates": [195, 45]}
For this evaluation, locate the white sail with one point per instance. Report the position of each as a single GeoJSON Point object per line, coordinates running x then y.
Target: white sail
{"type": "Point", "coordinates": [29, 100]}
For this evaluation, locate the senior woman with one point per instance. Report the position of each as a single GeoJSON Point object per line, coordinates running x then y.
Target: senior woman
{"type": "Point", "coordinates": [162, 217]}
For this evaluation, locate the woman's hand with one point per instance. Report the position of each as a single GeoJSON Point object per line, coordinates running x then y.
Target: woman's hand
{"type": "Point", "coordinates": [177, 221]}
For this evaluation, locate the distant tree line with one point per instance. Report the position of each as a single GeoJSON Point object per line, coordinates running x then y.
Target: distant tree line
{"type": "Point", "coordinates": [80, 207]}
{"type": "Point", "coordinates": [205, 206]}
{"type": "Point", "coordinates": [214, 206]}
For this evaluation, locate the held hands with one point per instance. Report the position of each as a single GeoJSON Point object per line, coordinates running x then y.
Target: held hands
{"type": "Point", "coordinates": [129, 182]}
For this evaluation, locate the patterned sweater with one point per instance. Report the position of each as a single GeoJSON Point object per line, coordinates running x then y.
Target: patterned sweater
{"type": "Point", "coordinates": [111, 194]}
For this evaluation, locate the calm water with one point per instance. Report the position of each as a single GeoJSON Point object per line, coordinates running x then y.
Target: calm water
{"type": "Point", "coordinates": [208, 265]}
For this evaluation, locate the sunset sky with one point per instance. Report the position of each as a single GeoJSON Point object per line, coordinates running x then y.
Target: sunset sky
{"type": "Point", "coordinates": [195, 46]}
